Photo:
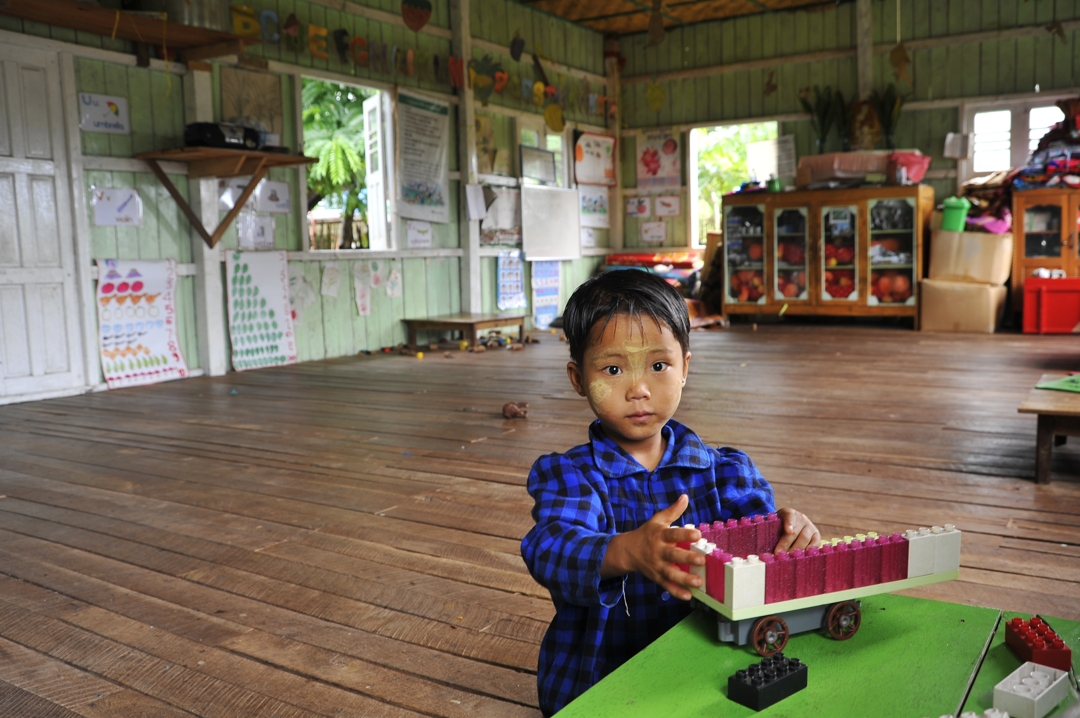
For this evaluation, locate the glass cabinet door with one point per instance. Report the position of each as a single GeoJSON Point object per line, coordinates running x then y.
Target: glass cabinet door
{"type": "Point", "coordinates": [744, 254]}
{"type": "Point", "coordinates": [1042, 232]}
{"type": "Point", "coordinates": [839, 238]}
{"type": "Point", "coordinates": [792, 260]}
{"type": "Point", "coordinates": [892, 252]}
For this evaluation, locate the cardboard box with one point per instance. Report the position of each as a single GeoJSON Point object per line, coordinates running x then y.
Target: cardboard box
{"type": "Point", "coordinates": [960, 306]}
{"type": "Point", "coordinates": [840, 165]}
{"type": "Point", "coordinates": [975, 257]}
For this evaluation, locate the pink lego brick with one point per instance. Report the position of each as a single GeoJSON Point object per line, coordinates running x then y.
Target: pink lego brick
{"type": "Point", "coordinates": [1034, 641]}
{"type": "Point", "coordinates": [901, 556]}
{"type": "Point", "coordinates": [720, 535]}
{"type": "Point", "coordinates": [685, 546]}
{"type": "Point", "coordinates": [873, 561]}
{"type": "Point", "coordinates": [802, 573]}
{"type": "Point", "coordinates": [744, 538]}
{"type": "Point", "coordinates": [846, 562]}
{"type": "Point", "coordinates": [772, 577]}
{"type": "Point", "coordinates": [773, 532]}
{"type": "Point", "coordinates": [832, 568]}
{"type": "Point", "coordinates": [759, 535]}
{"type": "Point", "coordinates": [861, 575]}
{"type": "Point", "coordinates": [786, 576]}
{"type": "Point", "coordinates": [714, 573]}
{"type": "Point", "coordinates": [816, 570]}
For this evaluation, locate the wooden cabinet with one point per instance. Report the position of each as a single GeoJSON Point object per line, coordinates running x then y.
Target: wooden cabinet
{"type": "Point", "coordinates": [832, 252]}
{"type": "Point", "coordinates": [1045, 223]}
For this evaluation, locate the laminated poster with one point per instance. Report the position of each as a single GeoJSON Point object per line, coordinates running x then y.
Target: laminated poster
{"type": "Point", "coordinates": [654, 232]}
{"type": "Point", "coordinates": [260, 313]}
{"type": "Point", "coordinates": [418, 234]}
{"type": "Point", "coordinates": [423, 158]}
{"type": "Point", "coordinates": [103, 113]}
{"type": "Point", "coordinates": [136, 303]}
{"type": "Point", "coordinates": [594, 159]}
{"type": "Point", "coordinates": [639, 207]}
{"type": "Point", "coordinates": [588, 237]}
{"type": "Point", "coordinates": [659, 161]}
{"type": "Point", "coordinates": [511, 278]}
{"type": "Point", "coordinates": [668, 206]}
{"type": "Point", "coordinates": [594, 206]}
{"type": "Point", "coordinates": [116, 207]}
{"type": "Point", "coordinates": [273, 197]}
{"type": "Point", "coordinates": [254, 231]}
{"type": "Point", "coordinates": [545, 290]}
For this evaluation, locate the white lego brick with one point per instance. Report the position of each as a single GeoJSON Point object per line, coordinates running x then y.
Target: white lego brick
{"type": "Point", "coordinates": [921, 550]}
{"type": "Point", "coordinates": [1031, 691]}
{"type": "Point", "coordinates": [946, 548]}
{"type": "Point", "coordinates": [744, 583]}
{"type": "Point", "coordinates": [700, 546]}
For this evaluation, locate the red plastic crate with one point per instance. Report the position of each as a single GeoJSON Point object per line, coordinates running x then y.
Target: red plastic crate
{"type": "Point", "coordinates": [1052, 306]}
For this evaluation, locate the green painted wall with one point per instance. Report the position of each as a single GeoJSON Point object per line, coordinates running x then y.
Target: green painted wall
{"type": "Point", "coordinates": [157, 121]}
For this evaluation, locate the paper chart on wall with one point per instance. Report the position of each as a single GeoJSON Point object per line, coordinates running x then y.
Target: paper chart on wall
{"type": "Point", "coordinates": [594, 206]}
{"type": "Point", "coordinates": [659, 163]}
{"type": "Point", "coordinates": [654, 232]}
{"type": "Point", "coordinates": [502, 225]}
{"type": "Point", "coordinates": [545, 292]}
{"type": "Point", "coordinates": [260, 314]}
{"type": "Point", "coordinates": [594, 159]}
{"type": "Point", "coordinates": [423, 158]}
{"type": "Point", "coordinates": [511, 273]}
{"type": "Point", "coordinates": [301, 293]}
{"type": "Point", "coordinates": [394, 286]}
{"type": "Point", "coordinates": [418, 234]}
{"type": "Point", "coordinates": [639, 207]}
{"type": "Point", "coordinates": [362, 288]}
{"type": "Point", "coordinates": [116, 207]}
{"type": "Point", "coordinates": [331, 278]}
{"type": "Point", "coordinates": [668, 206]}
{"type": "Point", "coordinates": [136, 308]}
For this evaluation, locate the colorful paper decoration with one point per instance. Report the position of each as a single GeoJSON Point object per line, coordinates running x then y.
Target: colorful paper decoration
{"type": "Point", "coordinates": [415, 13]}
{"type": "Point", "coordinates": [655, 95]}
{"type": "Point", "coordinates": [553, 116]}
{"type": "Point", "coordinates": [517, 46]}
{"type": "Point", "coordinates": [594, 159]}
{"type": "Point", "coordinates": [136, 308]}
{"type": "Point", "coordinates": [482, 77]}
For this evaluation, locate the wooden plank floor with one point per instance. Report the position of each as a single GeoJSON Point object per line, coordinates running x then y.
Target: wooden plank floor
{"type": "Point", "coordinates": [341, 537]}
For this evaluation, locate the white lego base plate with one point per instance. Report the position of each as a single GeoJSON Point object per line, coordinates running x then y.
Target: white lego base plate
{"type": "Point", "coordinates": [836, 596]}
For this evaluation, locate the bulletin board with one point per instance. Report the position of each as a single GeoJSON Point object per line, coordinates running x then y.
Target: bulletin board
{"type": "Point", "coordinates": [550, 223]}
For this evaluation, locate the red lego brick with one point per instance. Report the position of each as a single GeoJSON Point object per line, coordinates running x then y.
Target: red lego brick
{"type": "Point", "coordinates": [1034, 641]}
{"type": "Point", "coordinates": [714, 574]}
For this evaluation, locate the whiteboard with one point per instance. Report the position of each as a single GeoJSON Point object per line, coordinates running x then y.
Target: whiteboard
{"type": "Point", "coordinates": [550, 225]}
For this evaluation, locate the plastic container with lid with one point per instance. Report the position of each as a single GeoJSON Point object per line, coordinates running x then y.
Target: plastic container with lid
{"type": "Point", "coordinates": [956, 210]}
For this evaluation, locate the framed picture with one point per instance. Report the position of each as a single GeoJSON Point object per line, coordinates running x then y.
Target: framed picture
{"type": "Point", "coordinates": [539, 165]}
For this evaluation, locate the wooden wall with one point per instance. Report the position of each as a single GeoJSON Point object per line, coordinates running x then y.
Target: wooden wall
{"type": "Point", "coordinates": [961, 65]}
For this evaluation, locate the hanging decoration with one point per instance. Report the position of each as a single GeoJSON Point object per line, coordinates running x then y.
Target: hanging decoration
{"type": "Point", "coordinates": [770, 84]}
{"type": "Point", "coordinates": [517, 46]}
{"type": "Point", "coordinates": [553, 116]}
{"type": "Point", "coordinates": [415, 13]}
{"type": "Point", "coordinates": [655, 95]}
{"type": "Point", "coordinates": [482, 77]}
{"type": "Point", "coordinates": [656, 25]}
{"type": "Point", "coordinates": [900, 61]}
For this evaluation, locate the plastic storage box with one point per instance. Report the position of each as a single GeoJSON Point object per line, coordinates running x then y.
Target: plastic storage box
{"type": "Point", "coordinates": [1052, 306]}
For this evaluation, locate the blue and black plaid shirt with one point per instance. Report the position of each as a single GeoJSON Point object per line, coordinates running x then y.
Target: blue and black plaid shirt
{"type": "Point", "coordinates": [586, 496]}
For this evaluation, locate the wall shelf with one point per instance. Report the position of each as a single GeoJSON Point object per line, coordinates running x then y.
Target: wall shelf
{"type": "Point", "coordinates": [223, 163]}
{"type": "Point", "coordinates": [190, 43]}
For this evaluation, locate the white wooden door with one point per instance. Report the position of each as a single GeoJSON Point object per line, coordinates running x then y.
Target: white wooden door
{"type": "Point", "coordinates": [375, 151]}
{"type": "Point", "coordinates": [40, 339]}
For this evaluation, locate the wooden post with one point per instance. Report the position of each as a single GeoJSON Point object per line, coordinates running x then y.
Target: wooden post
{"type": "Point", "coordinates": [864, 43]}
{"type": "Point", "coordinates": [209, 290]}
{"type": "Point", "coordinates": [472, 298]}
{"type": "Point", "coordinates": [614, 90]}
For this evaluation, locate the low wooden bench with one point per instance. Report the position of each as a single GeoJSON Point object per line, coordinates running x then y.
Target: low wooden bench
{"type": "Point", "coordinates": [469, 324]}
{"type": "Point", "coordinates": [1059, 417]}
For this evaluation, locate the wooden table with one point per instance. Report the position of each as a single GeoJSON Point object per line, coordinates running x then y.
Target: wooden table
{"type": "Point", "coordinates": [469, 324]}
{"type": "Point", "coordinates": [911, 657]}
{"type": "Point", "coordinates": [1059, 417]}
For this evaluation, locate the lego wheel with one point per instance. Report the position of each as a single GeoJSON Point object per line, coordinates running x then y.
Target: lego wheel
{"type": "Point", "coordinates": [770, 635]}
{"type": "Point", "coordinates": [843, 620]}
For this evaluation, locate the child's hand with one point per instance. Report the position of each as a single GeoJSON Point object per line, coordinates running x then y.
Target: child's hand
{"type": "Point", "coordinates": [799, 531]}
{"type": "Point", "coordinates": [651, 551]}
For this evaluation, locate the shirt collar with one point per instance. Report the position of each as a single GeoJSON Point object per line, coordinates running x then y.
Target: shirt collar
{"type": "Point", "coordinates": [683, 449]}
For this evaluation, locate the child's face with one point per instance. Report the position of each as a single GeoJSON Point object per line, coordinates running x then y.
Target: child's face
{"type": "Point", "coordinates": [632, 373]}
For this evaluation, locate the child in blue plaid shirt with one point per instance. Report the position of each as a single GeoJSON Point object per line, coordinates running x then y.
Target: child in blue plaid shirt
{"type": "Point", "coordinates": [603, 543]}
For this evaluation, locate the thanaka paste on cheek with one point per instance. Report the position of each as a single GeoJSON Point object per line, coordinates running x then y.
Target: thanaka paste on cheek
{"type": "Point", "coordinates": [599, 390]}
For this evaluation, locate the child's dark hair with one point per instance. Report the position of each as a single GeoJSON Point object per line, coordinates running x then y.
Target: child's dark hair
{"type": "Point", "coordinates": [625, 291]}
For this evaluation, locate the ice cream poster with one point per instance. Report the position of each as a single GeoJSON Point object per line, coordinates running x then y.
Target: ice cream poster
{"type": "Point", "coordinates": [136, 308]}
{"type": "Point", "coordinates": [260, 315]}
{"type": "Point", "coordinates": [659, 160]}
{"type": "Point", "coordinates": [103, 113]}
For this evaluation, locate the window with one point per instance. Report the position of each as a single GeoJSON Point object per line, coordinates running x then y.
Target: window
{"type": "Point", "coordinates": [532, 132]}
{"type": "Point", "coordinates": [1041, 119]}
{"type": "Point", "coordinates": [992, 138]}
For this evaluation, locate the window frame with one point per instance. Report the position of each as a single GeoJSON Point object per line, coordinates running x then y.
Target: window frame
{"type": "Point", "coordinates": [1019, 129]}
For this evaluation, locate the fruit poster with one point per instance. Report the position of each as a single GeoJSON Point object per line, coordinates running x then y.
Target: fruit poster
{"type": "Point", "coordinates": [659, 161]}
{"type": "Point", "coordinates": [136, 307]}
{"type": "Point", "coordinates": [639, 207]}
{"type": "Point", "coordinates": [594, 159]}
{"type": "Point", "coordinates": [260, 315]}
{"type": "Point", "coordinates": [423, 158]}
{"type": "Point", "coordinates": [594, 206]}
